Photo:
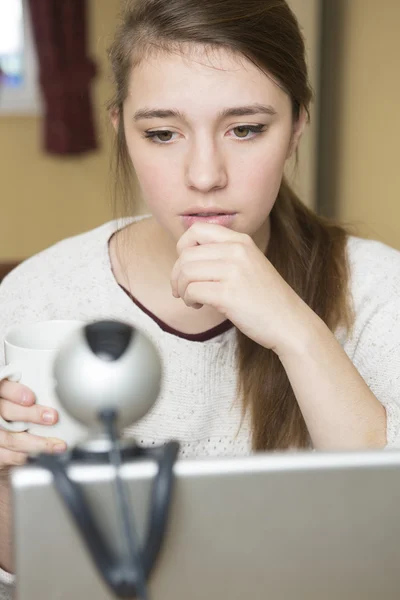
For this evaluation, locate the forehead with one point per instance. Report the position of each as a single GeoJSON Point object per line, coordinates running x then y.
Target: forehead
{"type": "Point", "coordinates": [200, 76]}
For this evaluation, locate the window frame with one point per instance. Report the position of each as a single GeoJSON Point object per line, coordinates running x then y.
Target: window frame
{"type": "Point", "coordinates": [24, 100]}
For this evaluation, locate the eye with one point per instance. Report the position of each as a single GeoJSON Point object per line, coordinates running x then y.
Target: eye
{"type": "Point", "coordinates": [159, 137]}
{"type": "Point", "coordinates": [242, 131]}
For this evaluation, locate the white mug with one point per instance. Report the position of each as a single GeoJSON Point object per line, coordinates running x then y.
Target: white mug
{"type": "Point", "coordinates": [30, 351]}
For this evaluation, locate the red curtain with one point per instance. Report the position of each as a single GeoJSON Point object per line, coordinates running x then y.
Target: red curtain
{"type": "Point", "coordinates": [65, 72]}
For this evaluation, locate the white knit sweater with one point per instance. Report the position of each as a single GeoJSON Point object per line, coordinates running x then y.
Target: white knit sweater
{"type": "Point", "coordinates": [198, 404]}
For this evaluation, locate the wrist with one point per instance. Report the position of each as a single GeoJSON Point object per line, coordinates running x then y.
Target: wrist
{"type": "Point", "coordinates": [304, 338]}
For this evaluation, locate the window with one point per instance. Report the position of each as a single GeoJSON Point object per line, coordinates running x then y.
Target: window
{"type": "Point", "coordinates": [19, 92]}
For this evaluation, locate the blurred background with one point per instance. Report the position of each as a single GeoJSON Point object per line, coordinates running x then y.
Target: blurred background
{"type": "Point", "coordinates": [52, 187]}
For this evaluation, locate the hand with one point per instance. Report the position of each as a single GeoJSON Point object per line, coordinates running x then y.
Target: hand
{"type": "Point", "coordinates": [17, 403]}
{"type": "Point", "coordinates": [225, 269]}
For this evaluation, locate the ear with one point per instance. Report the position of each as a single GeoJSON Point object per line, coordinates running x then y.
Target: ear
{"type": "Point", "coordinates": [298, 129]}
{"type": "Point", "coordinates": [114, 117]}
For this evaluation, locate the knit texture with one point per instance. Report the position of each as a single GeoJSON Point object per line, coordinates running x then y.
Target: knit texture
{"type": "Point", "coordinates": [198, 404]}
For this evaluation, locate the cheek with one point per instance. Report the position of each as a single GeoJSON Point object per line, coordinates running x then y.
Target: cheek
{"type": "Point", "coordinates": [156, 174]}
{"type": "Point", "coordinates": [261, 172]}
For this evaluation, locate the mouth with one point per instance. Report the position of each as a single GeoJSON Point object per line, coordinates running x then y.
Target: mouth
{"type": "Point", "coordinates": [217, 218]}
{"type": "Point", "coordinates": [206, 214]}
{"type": "Point", "coordinates": [212, 213]}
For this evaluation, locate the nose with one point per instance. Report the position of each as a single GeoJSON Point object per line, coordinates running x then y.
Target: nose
{"type": "Point", "coordinates": [205, 168]}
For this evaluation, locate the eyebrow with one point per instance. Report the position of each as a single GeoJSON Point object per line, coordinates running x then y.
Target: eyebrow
{"type": "Point", "coordinates": [238, 111]}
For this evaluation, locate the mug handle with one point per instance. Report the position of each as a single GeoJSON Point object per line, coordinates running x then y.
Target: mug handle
{"type": "Point", "coordinates": [13, 374]}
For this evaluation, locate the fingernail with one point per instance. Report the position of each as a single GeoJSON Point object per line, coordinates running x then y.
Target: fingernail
{"type": "Point", "coordinates": [48, 417]}
{"type": "Point", "coordinates": [59, 448]}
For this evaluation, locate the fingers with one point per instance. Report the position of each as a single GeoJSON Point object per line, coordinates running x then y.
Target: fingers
{"type": "Point", "coordinates": [223, 256]}
{"type": "Point", "coordinates": [13, 444]}
{"type": "Point", "coordinates": [205, 271]}
{"type": "Point", "coordinates": [17, 403]}
{"type": "Point", "coordinates": [41, 415]}
{"type": "Point", "coordinates": [200, 293]}
{"type": "Point", "coordinates": [8, 458]}
{"type": "Point", "coordinates": [209, 233]}
{"type": "Point", "coordinates": [16, 392]}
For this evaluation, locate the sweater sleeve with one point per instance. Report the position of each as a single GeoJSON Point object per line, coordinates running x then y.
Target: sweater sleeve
{"type": "Point", "coordinates": [17, 304]}
{"type": "Point", "coordinates": [373, 346]}
{"type": "Point", "coordinates": [8, 309]}
{"type": "Point", "coordinates": [54, 284]}
{"type": "Point", "coordinates": [377, 358]}
{"type": "Point", "coordinates": [7, 581]}
{"type": "Point", "coordinates": [13, 310]}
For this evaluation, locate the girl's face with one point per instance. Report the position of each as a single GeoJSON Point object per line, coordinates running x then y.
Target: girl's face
{"type": "Point", "coordinates": [207, 131]}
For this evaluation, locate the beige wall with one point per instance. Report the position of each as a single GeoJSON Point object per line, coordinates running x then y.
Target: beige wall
{"type": "Point", "coordinates": [369, 119]}
{"type": "Point", "coordinates": [43, 198]}
{"type": "Point", "coordinates": [304, 177]}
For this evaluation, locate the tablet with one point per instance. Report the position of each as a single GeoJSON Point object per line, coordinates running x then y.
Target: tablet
{"type": "Point", "coordinates": [279, 526]}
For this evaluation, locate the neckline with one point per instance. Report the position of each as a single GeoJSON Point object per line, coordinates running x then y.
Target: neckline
{"type": "Point", "coordinates": [204, 336]}
{"type": "Point", "coordinates": [210, 334]}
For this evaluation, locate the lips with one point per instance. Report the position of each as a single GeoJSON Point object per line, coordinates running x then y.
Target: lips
{"type": "Point", "coordinates": [209, 211]}
{"type": "Point", "coordinates": [205, 214]}
{"type": "Point", "coordinates": [226, 220]}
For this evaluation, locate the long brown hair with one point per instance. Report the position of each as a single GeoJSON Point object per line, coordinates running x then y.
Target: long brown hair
{"type": "Point", "coordinates": [314, 262]}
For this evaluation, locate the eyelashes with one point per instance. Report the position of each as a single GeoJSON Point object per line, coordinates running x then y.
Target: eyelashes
{"type": "Point", "coordinates": [153, 135]}
{"type": "Point", "coordinates": [165, 137]}
{"type": "Point", "coordinates": [256, 129]}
